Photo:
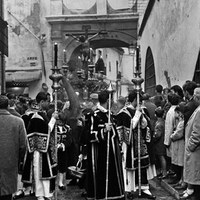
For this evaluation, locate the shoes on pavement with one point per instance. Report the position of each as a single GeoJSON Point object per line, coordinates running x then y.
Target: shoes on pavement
{"type": "Point", "coordinates": [32, 194]}
{"type": "Point", "coordinates": [129, 195]}
{"type": "Point", "coordinates": [170, 172]}
{"type": "Point", "coordinates": [159, 175]}
{"type": "Point", "coordinates": [148, 196]}
{"type": "Point", "coordinates": [173, 181]}
{"type": "Point", "coordinates": [84, 195]}
{"type": "Point", "coordinates": [181, 186]}
{"type": "Point", "coordinates": [186, 195]}
{"type": "Point", "coordinates": [163, 176]}
{"type": "Point", "coordinates": [62, 187]}
{"type": "Point", "coordinates": [19, 194]}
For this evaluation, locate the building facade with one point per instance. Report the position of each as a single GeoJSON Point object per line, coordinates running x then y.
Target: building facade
{"type": "Point", "coordinates": [170, 43]}
{"type": "Point", "coordinates": [34, 26]}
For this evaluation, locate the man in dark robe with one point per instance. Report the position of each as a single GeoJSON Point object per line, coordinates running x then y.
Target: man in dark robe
{"type": "Point", "coordinates": [98, 128]}
{"type": "Point", "coordinates": [40, 160]}
{"type": "Point", "coordinates": [127, 126]}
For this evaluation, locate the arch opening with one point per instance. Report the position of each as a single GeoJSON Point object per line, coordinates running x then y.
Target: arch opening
{"type": "Point", "coordinates": [150, 76]}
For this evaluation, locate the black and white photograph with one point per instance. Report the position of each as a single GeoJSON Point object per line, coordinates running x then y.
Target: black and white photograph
{"type": "Point", "coordinates": [99, 99]}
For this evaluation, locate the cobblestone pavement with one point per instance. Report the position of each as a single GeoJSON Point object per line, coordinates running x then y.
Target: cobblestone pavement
{"type": "Point", "coordinates": [74, 193]}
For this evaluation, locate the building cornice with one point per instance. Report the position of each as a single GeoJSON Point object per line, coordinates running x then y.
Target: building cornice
{"type": "Point", "coordinates": [92, 18]}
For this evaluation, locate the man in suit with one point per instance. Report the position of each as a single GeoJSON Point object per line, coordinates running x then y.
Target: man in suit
{"type": "Point", "coordinates": [11, 104]}
{"type": "Point", "coordinates": [12, 149]}
{"type": "Point", "coordinates": [191, 105]}
{"type": "Point", "coordinates": [192, 149]}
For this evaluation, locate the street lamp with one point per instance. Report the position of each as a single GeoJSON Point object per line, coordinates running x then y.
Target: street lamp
{"type": "Point", "coordinates": [131, 49]}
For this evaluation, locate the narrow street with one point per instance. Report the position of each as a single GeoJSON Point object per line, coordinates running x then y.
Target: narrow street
{"type": "Point", "coordinates": [74, 193]}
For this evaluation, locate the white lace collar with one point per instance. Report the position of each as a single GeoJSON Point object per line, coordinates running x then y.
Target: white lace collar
{"type": "Point", "coordinates": [101, 108]}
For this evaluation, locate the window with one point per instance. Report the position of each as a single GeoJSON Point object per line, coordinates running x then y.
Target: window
{"type": "Point", "coordinates": [196, 77]}
{"type": "Point", "coordinates": [109, 66]}
{"type": "Point", "coordinates": [117, 66]}
{"type": "Point", "coordinates": [150, 77]}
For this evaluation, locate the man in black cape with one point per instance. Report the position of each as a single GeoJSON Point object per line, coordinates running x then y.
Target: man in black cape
{"type": "Point", "coordinates": [127, 121]}
{"type": "Point", "coordinates": [96, 131]}
{"type": "Point", "coordinates": [40, 161]}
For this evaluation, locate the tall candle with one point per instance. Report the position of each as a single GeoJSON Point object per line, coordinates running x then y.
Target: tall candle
{"type": "Point", "coordinates": [64, 56]}
{"type": "Point", "coordinates": [137, 59]}
{"type": "Point", "coordinates": [55, 54]}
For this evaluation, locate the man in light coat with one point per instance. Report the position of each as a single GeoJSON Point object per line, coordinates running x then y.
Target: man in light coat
{"type": "Point", "coordinates": [12, 149]}
{"type": "Point", "coordinates": [192, 146]}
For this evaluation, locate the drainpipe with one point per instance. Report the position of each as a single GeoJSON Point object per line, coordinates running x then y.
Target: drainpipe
{"type": "Point", "coordinates": [3, 82]}
{"type": "Point", "coordinates": [2, 60]}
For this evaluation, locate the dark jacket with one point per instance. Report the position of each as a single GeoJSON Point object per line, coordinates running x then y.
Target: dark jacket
{"type": "Point", "coordinates": [190, 107]}
{"type": "Point", "coordinates": [12, 145]}
{"type": "Point", "coordinates": [159, 135]}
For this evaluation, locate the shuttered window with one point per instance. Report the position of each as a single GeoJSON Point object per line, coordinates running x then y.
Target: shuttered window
{"type": "Point", "coordinates": [150, 77]}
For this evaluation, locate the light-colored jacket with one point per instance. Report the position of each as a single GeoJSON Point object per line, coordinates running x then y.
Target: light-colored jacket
{"type": "Point", "coordinates": [12, 149]}
{"type": "Point", "coordinates": [169, 128]}
{"type": "Point", "coordinates": [178, 144]}
{"type": "Point", "coordinates": [192, 149]}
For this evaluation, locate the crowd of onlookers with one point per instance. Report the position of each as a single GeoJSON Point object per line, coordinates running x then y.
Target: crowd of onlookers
{"type": "Point", "coordinates": [176, 135]}
{"type": "Point", "coordinates": [174, 115]}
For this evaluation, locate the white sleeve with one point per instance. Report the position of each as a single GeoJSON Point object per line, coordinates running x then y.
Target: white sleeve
{"type": "Point", "coordinates": [52, 123]}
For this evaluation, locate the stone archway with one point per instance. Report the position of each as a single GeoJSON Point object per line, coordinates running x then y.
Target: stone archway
{"type": "Point", "coordinates": [150, 76]}
{"type": "Point", "coordinates": [120, 29]}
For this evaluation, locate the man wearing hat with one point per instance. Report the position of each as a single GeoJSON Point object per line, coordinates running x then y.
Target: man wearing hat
{"type": "Point", "coordinates": [192, 149]}
{"type": "Point", "coordinates": [12, 149]}
{"type": "Point", "coordinates": [94, 99]}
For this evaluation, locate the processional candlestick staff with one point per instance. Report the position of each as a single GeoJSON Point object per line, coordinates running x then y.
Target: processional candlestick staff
{"type": "Point", "coordinates": [110, 90]}
{"type": "Point", "coordinates": [56, 77]}
{"type": "Point", "coordinates": [137, 82]}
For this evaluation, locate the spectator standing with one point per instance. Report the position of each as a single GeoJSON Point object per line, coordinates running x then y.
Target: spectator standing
{"type": "Point", "coordinates": [178, 146]}
{"type": "Point", "coordinates": [176, 89]}
{"type": "Point", "coordinates": [12, 99]}
{"type": "Point", "coordinates": [12, 149]}
{"type": "Point", "coordinates": [170, 125]}
{"type": "Point", "coordinates": [159, 134]}
{"type": "Point", "coordinates": [191, 104]}
{"type": "Point", "coordinates": [192, 149]}
{"type": "Point", "coordinates": [170, 122]}
{"type": "Point", "coordinates": [150, 106]}
{"type": "Point", "coordinates": [158, 98]}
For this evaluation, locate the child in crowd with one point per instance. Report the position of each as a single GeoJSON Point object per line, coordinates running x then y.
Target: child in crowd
{"type": "Point", "coordinates": [159, 135]}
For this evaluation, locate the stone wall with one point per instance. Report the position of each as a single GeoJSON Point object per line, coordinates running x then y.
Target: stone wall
{"type": "Point", "coordinates": [30, 57]}
{"type": "Point", "coordinates": [173, 34]}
